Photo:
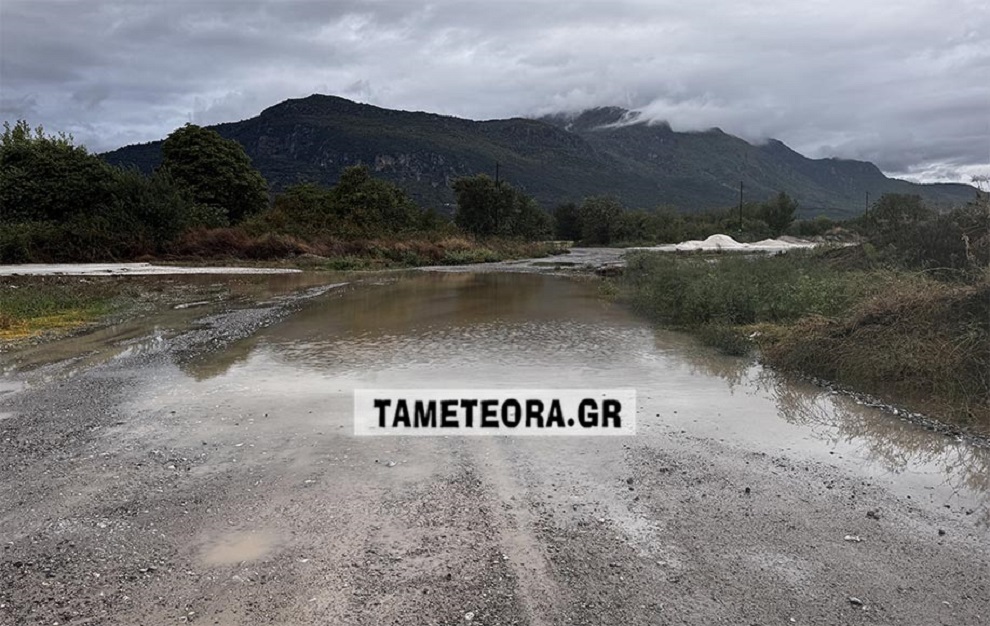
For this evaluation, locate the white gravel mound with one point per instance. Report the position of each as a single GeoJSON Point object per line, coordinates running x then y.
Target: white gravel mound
{"type": "Point", "coordinates": [720, 243]}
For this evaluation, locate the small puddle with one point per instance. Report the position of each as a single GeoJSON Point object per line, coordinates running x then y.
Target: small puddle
{"type": "Point", "coordinates": [238, 548]}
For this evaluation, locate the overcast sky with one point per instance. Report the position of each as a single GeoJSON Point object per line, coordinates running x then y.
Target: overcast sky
{"type": "Point", "coordinates": [903, 83]}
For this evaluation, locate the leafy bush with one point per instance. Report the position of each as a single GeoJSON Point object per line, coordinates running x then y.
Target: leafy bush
{"type": "Point", "coordinates": [486, 208]}
{"type": "Point", "coordinates": [567, 222]}
{"type": "Point", "coordinates": [216, 172]}
{"type": "Point", "coordinates": [908, 234]}
{"type": "Point", "coordinates": [46, 178]}
{"type": "Point", "coordinates": [600, 220]}
{"type": "Point", "coordinates": [778, 213]}
{"type": "Point", "coordinates": [359, 206]}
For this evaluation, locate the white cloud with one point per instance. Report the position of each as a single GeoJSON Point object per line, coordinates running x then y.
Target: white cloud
{"type": "Point", "coordinates": [901, 83]}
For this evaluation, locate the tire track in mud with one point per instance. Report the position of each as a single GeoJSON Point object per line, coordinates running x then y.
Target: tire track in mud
{"type": "Point", "coordinates": [430, 554]}
{"type": "Point", "coordinates": [516, 528]}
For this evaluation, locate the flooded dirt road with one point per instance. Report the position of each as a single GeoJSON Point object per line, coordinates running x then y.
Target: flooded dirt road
{"type": "Point", "coordinates": [204, 471]}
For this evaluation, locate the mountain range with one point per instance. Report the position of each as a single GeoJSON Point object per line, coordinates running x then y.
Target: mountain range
{"type": "Point", "coordinates": [557, 158]}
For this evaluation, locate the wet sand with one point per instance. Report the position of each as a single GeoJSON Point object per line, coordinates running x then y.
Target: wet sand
{"type": "Point", "coordinates": [204, 471]}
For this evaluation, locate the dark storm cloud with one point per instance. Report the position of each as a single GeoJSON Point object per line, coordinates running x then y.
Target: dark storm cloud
{"type": "Point", "coordinates": [902, 83]}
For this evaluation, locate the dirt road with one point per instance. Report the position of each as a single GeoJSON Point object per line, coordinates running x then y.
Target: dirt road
{"type": "Point", "coordinates": [207, 474]}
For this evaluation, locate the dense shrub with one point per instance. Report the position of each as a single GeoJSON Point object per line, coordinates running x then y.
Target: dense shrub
{"type": "Point", "coordinates": [46, 178]}
{"type": "Point", "coordinates": [567, 222]}
{"type": "Point", "coordinates": [489, 208]}
{"type": "Point", "coordinates": [906, 233]}
{"type": "Point", "coordinates": [216, 172]}
{"type": "Point", "coordinates": [812, 228]}
{"type": "Point", "coordinates": [60, 203]}
{"type": "Point", "coordinates": [692, 291]}
{"type": "Point", "coordinates": [359, 206]}
{"type": "Point", "coordinates": [925, 341]}
{"type": "Point", "coordinates": [600, 218]}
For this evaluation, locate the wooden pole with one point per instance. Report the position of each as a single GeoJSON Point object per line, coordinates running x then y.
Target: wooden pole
{"type": "Point", "coordinates": [740, 205]}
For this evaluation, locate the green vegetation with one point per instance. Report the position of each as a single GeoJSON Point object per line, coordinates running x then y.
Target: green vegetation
{"type": "Point", "coordinates": [778, 213]}
{"type": "Point", "coordinates": [599, 220]}
{"type": "Point", "coordinates": [486, 207]}
{"type": "Point", "coordinates": [30, 307]}
{"type": "Point", "coordinates": [60, 203]}
{"type": "Point", "coordinates": [906, 233]}
{"type": "Point", "coordinates": [917, 341]}
{"type": "Point", "coordinates": [686, 291]}
{"type": "Point", "coordinates": [905, 315]}
{"type": "Point", "coordinates": [357, 206]}
{"type": "Point", "coordinates": [206, 201]}
{"type": "Point", "coordinates": [602, 220]}
{"type": "Point", "coordinates": [567, 222]}
{"type": "Point", "coordinates": [216, 172]}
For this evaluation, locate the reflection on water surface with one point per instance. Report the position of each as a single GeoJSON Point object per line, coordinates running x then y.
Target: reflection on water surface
{"type": "Point", "coordinates": [525, 330]}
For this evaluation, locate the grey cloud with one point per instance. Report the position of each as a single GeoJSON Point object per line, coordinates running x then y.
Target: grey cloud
{"type": "Point", "coordinates": [901, 83]}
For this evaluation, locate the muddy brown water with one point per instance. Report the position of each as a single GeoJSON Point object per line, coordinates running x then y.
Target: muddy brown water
{"type": "Point", "coordinates": [428, 330]}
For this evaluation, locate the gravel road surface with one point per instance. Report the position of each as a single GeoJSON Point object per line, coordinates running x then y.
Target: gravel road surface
{"type": "Point", "coordinates": [191, 477]}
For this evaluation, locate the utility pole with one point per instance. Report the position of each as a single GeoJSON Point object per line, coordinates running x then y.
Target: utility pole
{"type": "Point", "coordinates": [740, 205]}
{"type": "Point", "coordinates": [498, 197]}
{"type": "Point", "coordinates": [867, 211]}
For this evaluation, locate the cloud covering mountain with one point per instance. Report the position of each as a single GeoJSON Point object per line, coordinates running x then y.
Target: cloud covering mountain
{"type": "Point", "coordinates": [903, 84]}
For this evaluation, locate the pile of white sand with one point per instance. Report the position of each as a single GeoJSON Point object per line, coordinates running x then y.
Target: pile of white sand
{"type": "Point", "coordinates": [717, 243]}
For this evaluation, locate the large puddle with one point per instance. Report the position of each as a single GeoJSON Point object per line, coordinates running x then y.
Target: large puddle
{"type": "Point", "coordinates": [528, 330]}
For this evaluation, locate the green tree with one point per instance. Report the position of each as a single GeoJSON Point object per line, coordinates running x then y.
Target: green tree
{"type": "Point", "coordinates": [895, 210]}
{"type": "Point", "coordinates": [480, 205]}
{"type": "Point", "coordinates": [216, 171]}
{"type": "Point", "coordinates": [600, 216]}
{"type": "Point", "coordinates": [301, 210]}
{"type": "Point", "coordinates": [910, 234]}
{"type": "Point", "coordinates": [485, 208]}
{"type": "Point", "coordinates": [367, 205]}
{"type": "Point", "coordinates": [631, 226]}
{"type": "Point", "coordinates": [529, 220]}
{"type": "Point", "coordinates": [894, 218]}
{"type": "Point", "coordinates": [778, 213]}
{"type": "Point", "coordinates": [47, 178]}
{"type": "Point", "coordinates": [359, 205]}
{"type": "Point", "coordinates": [156, 209]}
{"type": "Point", "coordinates": [567, 222]}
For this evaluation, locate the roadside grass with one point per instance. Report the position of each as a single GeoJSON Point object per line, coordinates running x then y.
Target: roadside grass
{"type": "Point", "coordinates": [48, 307]}
{"type": "Point", "coordinates": [30, 307]}
{"type": "Point", "coordinates": [892, 333]}
{"type": "Point", "coordinates": [689, 291]}
{"type": "Point", "coordinates": [927, 342]}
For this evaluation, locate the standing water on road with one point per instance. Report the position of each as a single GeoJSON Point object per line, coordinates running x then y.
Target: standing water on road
{"type": "Point", "coordinates": [212, 476]}
{"type": "Point", "coordinates": [465, 330]}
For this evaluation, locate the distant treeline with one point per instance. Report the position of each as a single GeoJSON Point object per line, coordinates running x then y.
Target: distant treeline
{"type": "Point", "coordinates": [60, 203]}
